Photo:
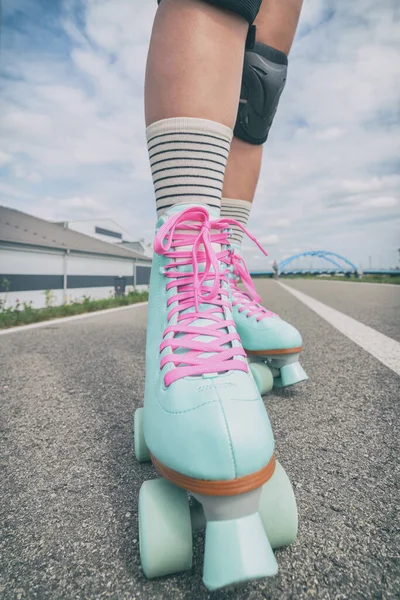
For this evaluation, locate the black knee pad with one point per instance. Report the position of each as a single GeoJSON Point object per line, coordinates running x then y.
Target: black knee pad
{"type": "Point", "coordinates": [247, 9]}
{"type": "Point", "coordinates": [263, 80]}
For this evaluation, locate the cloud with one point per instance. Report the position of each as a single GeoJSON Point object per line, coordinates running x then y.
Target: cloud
{"type": "Point", "coordinates": [269, 240]}
{"type": "Point", "coordinates": [331, 133]}
{"type": "Point", "coordinates": [5, 158]}
{"type": "Point", "coordinates": [280, 224]}
{"type": "Point", "coordinates": [61, 209]}
{"type": "Point", "coordinates": [381, 202]}
{"type": "Point", "coordinates": [73, 136]}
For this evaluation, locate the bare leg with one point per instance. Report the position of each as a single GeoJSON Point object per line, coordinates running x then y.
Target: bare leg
{"type": "Point", "coordinates": [277, 22]}
{"type": "Point", "coordinates": [281, 343]}
{"type": "Point", "coordinates": [195, 62]}
{"type": "Point", "coordinates": [276, 25]}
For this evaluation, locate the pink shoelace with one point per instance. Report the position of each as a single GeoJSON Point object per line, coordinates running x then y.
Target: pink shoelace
{"type": "Point", "coordinates": [249, 301]}
{"type": "Point", "coordinates": [201, 338]}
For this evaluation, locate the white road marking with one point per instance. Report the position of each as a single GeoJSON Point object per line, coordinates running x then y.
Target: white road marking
{"type": "Point", "coordinates": [380, 346]}
{"type": "Point", "coordinates": [63, 320]}
{"type": "Point", "coordinates": [394, 285]}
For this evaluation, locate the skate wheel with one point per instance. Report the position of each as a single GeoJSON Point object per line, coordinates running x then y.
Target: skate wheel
{"type": "Point", "coordinates": [263, 377]}
{"type": "Point", "coordinates": [165, 532]}
{"type": "Point", "coordinates": [141, 450]}
{"type": "Point", "coordinates": [278, 509]}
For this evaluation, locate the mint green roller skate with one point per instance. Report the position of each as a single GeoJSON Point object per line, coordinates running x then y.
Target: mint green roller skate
{"type": "Point", "coordinates": [203, 424]}
{"type": "Point", "coordinates": [272, 345]}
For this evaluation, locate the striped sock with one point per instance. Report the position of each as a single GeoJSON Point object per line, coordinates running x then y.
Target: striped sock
{"type": "Point", "coordinates": [239, 210]}
{"type": "Point", "coordinates": [188, 159]}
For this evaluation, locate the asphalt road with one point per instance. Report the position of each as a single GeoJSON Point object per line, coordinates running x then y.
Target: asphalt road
{"type": "Point", "coordinates": [373, 304]}
{"type": "Point", "coordinates": [69, 483]}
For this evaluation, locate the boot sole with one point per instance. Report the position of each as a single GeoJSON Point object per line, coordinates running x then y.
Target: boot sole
{"type": "Point", "coordinates": [222, 487]}
{"type": "Point", "coordinates": [273, 352]}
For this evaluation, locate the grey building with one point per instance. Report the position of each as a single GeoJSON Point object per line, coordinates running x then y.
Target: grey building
{"type": "Point", "coordinates": [36, 255]}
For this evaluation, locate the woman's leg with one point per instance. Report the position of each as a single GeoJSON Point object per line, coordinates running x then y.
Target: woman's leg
{"type": "Point", "coordinates": [276, 26]}
{"type": "Point", "coordinates": [192, 89]}
{"type": "Point", "coordinates": [273, 340]}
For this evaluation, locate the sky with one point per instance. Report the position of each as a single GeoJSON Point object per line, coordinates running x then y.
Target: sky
{"type": "Point", "coordinates": [72, 141]}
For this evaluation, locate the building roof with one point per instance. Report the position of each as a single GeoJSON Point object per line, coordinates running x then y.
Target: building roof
{"type": "Point", "coordinates": [138, 247]}
{"type": "Point", "coordinates": [20, 228]}
{"type": "Point", "coordinates": [133, 246]}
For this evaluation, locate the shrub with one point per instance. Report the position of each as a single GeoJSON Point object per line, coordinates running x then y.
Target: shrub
{"type": "Point", "coordinates": [25, 314]}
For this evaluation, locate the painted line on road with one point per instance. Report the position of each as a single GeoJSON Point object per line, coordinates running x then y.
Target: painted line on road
{"type": "Point", "coordinates": [394, 285]}
{"type": "Point", "coordinates": [63, 320]}
{"type": "Point", "coordinates": [380, 346]}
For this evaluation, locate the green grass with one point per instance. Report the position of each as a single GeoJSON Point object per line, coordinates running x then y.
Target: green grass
{"type": "Point", "coordinates": [14, 316]}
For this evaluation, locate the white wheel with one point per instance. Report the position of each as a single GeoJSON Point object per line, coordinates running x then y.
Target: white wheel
{"type": "Point", "coordinates": [165, 531]}
{"type": "Point", "coordinates": [278, 509]}
{"type": "Point", "coordinates": [263, 377]}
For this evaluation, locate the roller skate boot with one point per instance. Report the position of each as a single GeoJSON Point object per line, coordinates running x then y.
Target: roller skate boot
{"type": "Point", "coordinates": [203, 424]}
{"type": "Point", "coordinates": [272, 345]}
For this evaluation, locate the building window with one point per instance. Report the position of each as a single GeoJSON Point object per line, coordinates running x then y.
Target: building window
{"type": "Point", "coordinates": [113, 234]}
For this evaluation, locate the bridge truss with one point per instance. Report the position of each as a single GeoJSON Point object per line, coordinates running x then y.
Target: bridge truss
{"type": "Point", "coordinates": [340, 263]}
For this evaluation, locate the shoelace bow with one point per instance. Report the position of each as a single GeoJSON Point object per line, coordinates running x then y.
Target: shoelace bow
{"type": "Point", "coordinates": [201, 297]}
{"type": "Point", "coordinates": [249, 301]}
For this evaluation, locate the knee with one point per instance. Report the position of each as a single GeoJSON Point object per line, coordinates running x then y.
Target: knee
{"type": "Point", "coordinates": [263, 80]}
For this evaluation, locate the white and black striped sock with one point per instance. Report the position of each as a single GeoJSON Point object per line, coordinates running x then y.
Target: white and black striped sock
{"type": "Point", "coordinates": [239, 210]}
{"type": "Point", "coordinates": [188, 159]}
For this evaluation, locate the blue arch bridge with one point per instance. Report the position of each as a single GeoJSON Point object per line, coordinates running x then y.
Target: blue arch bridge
{"type": "Point", "coordinates": [328, 263]}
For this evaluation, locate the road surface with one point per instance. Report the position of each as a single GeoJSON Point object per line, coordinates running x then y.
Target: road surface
{"type": "Point", "coordinates": [69, 483]}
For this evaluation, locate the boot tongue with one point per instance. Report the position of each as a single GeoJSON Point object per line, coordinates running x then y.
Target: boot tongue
{"type": "Point", "coordinates": [219, 313]}
{"type": "Point", "coordinates": [202, 321]}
